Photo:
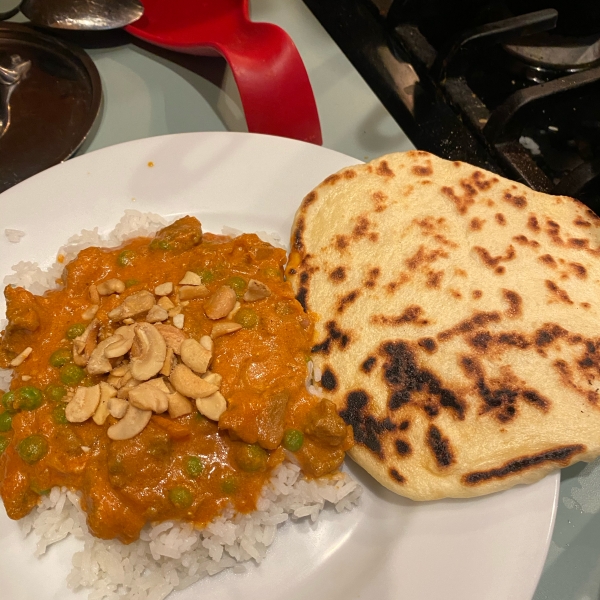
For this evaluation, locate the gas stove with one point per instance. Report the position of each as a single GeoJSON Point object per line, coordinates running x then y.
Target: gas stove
{"type": "Point", "coordinates": [512, 86]}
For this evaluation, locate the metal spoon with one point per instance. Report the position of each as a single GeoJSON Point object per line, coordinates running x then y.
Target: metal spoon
{"type": "Point", "coordinates": [82, 14]}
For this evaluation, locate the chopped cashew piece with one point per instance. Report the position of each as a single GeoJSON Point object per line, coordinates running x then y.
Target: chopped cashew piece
{"type": "Point", "coordinates": [221, 303]}
{"type": "Point", "coordinates": [89, 313]}
{"type": "Point", "coordinates": [94, 295]}
{"type": "Point", "coordinates": [127, 383]}
{"type": "Point", "coordinates": [220, 329]}
{"type": "Point", "coordinates": [133, 305]}
{"type": "Point", "coordinates": [186, 382]}
{"type": "Point", "coordinates": [18, 360]}
{"type": "Point", "coordinates": [164, 289]}
{"type": "Point", "coordinates": [129, 321]}
{"type": "Point", "coordinates": [172, 336]}
{"type": "Point", "coordinates": [111, 286]}
{"type": "Point", "coordinates": [152, 352]}
{"type": "Point", "coordinates": [165, 303]}
{"type": "Point", "coordinates": [189, 292]}
{"type": "Point", "coordinates": [83, 404]}
{"type": "Point", "coordinates": [106, 393]}
{"type": "Point", "coordinates": [157, 314]}
{"type": "Point", "coordinates": [84, 344]}
{"type": "Point", "coordinates": [120, 370]}
{"type": "Point", "coordinates": [117, 407]}
{"type": "Point", "coordinates": [213, 406]}
{"type": "Point", "coordinates": [213, 378]}
{"type": "Point", "coordinates": [175, 311]}
{"type": "Point", "coordinates": [195, 355]}
{"type": "Point", "coordinates": [98, 363]}
{"type": "Point", "coordinates": [191, 278]}
{"type": "Point", "coordinates": [122, 346]}
{"type": "Point", "coordinates": [234, 310]}
{"type": "Point", "coordinates": [160, 384]}
{"type": "Point", "coordinates": [149, 397]}
{"type": "Point", "coordinates": [207, 342]}
{"type": "Point", "coordinates": [178, 321]}
{"type": "Point", "coordinates": [257, 290]}
{"type": "Point", "coordinates": [168, 364]}
{"type": "Point", "coordinates": [134, 421]}
{"type": "Point", "coordinates": [179, 405]}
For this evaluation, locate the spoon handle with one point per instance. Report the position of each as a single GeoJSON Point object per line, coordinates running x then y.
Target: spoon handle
{"type": "Point", "coordinates": [7, 14]}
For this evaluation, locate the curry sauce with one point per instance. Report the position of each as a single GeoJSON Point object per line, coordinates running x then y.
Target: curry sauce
{"type": "Point", "coordinates": [190, 459]}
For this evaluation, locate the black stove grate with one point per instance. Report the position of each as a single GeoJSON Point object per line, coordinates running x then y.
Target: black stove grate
{"type": "Point", "coordinates": [454, 77]}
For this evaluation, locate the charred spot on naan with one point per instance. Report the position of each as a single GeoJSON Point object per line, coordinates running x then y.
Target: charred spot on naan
{"type": "Point", "coordinates": [557, 294]}
{"type": "Point", "coordinates": [411, 314]}
{"type": "Point", "coordinates": [500, 394]}
{"type": "Point", "coordinates": [328, 380]}
{"type": "Point", "coordinates": [428, 344]}
{"type": "Point", "coordinates": [372, 277]}
{"type": "Point", "coordinates": [477, 224]}
{"type": "Point", "coordinates": [523, 240]}
{"type": "Point", "coordinates": [338, 274]}
{"type": "Point", "coordinates": [493, 262]}
{"type": "Point", "coordinates": [347, 300]}
{"type": "Point", "coordinates": [403, 378]}
{"type": "Point", "coordinates": [478, 320]}
{"type": "Point", "coordinates": [368, 430]}
{"type": "Point", "coordinates": [516, 201]}
{"type": "Point", "coordinates": [397, 476]}
{"type": "Point", "coordinates": [440, 447]}
{"type": "Point", "coordinates": [561, 455]}
{"type": "Point", "coordinates": [335, 337]}
{"type": "Point", "coordinates": [368, 364]}
{"type": "Point", "coordinates": [500, 219]}
{"type": "Point", "coordinates": [515, 304]}
{"type": "Point", "coordinates": [379, 201]}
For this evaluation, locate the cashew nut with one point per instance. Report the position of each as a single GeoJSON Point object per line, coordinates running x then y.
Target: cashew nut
{"type": "Point", "coordinates": [127, 383]}
{"type": "Point", "coordinates": [256, 290]}
{"type": "Point", "coordinates": [94, 295]}
{"type": "Point", "coordinates": [111, 286]}
{"type": "Point", "coordinates": [133, 305]}
{"type": "Point", "coordinates": [186, 382]}
{"type": "Point", "coordinates": [153, 350]}
{"type": "Point", "coordinates": [189, 292]}
{"type": "Point", "coordinates": [191, 278]}
{"type": "Point", "coordinates": [175, 311]}
{"type": "Point", "coordinates": [213, 406]}
{"type": "Point", "coordinates": [219, 305]}
{"type": "Point", "coordinates": [84, 344]}
{"type": "Point", "coordinates": [168, 364]}
{"type": "Point", "coordinates": [165, 303]}
{"type": "Point", "coordinates": [98, 363]}
{"type": "Point", "coordinates": [117, 407]}
{"type": "Point", "coordinates": [149, 397]}
{"type": "Point", "coordinates": [120, 370]}
{"type": "Point", "coordinates": [234, 310]}
{"type": "Point", "coordinates": [220, 329]}
{"type": "Point", "coordinates": [130, 425]}
{"type": "Point", "coordinates": [89, 313]}
{"type": "Point", "coordinates": [83, 404]}
{"type": "Point", "coordinates": [179, 405]}
{"type": "Point", "coordinates": [18, 360]}
{"type": "Point", "coordinates": [164, 289]}
{"type": "Point", "coordinates": [160, 384]}
{"type": "Point", "coordinates": [178, 321]}
{"type": "Point", "coordinates": [122, 346]}
{"type": "Point", "coordinates": [213, 378]}
{"type": "Point", "coordinates": [106, 393]}
{"type": "Point", "coordinates": [157, 314]}
{"type": "Point", "coordinates": [195, 355]}
{"type": "Point", "coordinates": [207, 342]}
{"type": "Point", "coordinates": [172, 336]}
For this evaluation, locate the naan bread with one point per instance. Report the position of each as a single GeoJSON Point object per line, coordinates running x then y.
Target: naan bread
{"type": "Point", "coordinates": [458, 322]}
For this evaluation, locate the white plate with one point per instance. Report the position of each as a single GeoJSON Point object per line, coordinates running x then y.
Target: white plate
{"type": "Point", "coordinates": [490, 548]}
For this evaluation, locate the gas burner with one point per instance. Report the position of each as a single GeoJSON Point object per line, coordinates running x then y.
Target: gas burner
{"type": "Point", "coordinates": [557, 53]}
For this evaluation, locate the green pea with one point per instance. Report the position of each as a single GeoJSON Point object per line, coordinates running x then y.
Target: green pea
{"type": "Point", "coordinates": [293, 440]}
{"type": "Point", "coordinates": [194, 466]}
{"type": "Point", "coordinates": [56, 392]}
{"type": "Point", "coordinates": [8, 400]}
{"type": "Point", "coordinates": [4, 442]}
{"type": "Point", "coordinates": [251, 458]}
{"type": "Point", "coordinates": [181, 497]}
{"type": "Point", "coordinates": [71, 374]}
{"type": "Point", "coordinates": [160, 245]}
{"type": "Point", "coordinates": [207, 276]}
{"type": "Point", "coordinates": [5, 422]}
{"type": "Point", "coordinates": [126, 258]}
{"type": "Point", "coordinates": [246, 317]}
{"type": "Point", "coordinates": [131, 282]}
{"type": "Point", "coordinates": [32, 448]}
{"type": "Point", "coordinates": [238, 284]}
{"type": "Point", "coordinates": [283, 308]}
{"type": "Point", "coordinates": [75, 330]}
{"type": "Point", "coordinates": [60, 357]}
{"type": "Point", "coordinates": [28, 397]}
{"type": "Point", "coordinates": [229, 485]}
{"type": "Point", "coordinates": [39, 490]}
{"type": "Point", "coordinates": [58, 415]}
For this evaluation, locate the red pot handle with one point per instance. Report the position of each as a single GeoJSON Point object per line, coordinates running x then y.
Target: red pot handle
{"type": "Point", "coordinates": [272, 81]}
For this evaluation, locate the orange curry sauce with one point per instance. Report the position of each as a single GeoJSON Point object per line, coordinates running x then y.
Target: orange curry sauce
{"type": "Point", "coordinates": [190, 467]}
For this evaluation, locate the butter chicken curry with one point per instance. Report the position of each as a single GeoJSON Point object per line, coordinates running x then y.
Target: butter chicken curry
{"type": "Point", "coordinates": [164, 380]}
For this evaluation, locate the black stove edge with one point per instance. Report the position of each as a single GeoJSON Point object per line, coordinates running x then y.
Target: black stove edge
{"type": "Point", "coordinates": [359, 34]}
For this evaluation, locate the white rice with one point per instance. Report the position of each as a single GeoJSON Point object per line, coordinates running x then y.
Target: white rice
{"type": "Point", "coordinates": [170, 555]}
{"type": "Point", "coordinates": [14, 235]}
